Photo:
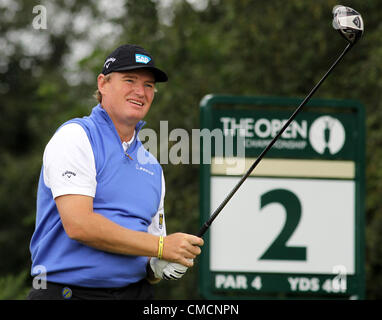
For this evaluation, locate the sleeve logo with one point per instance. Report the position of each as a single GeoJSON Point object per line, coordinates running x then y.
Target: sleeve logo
{"type": "Point", "coordinates": [68, 174]}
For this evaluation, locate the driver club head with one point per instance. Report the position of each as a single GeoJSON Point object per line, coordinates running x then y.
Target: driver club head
{"type": "Point", "coordinates": [348, 22]}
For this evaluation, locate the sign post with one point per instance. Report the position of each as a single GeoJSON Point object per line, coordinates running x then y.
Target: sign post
{"type": "Point", "coordinates": [295, 228]}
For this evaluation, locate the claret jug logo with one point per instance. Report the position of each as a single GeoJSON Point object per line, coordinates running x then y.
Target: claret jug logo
{"type": "Point", "coordinates": [327, 135]}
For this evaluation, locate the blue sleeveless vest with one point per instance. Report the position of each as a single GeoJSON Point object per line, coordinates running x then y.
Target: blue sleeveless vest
{"type": "Point", "coordinates": [128, 193]}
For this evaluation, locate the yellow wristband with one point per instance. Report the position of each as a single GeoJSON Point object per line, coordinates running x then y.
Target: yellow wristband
{"type": "Point", "coordinates": [160, 247]}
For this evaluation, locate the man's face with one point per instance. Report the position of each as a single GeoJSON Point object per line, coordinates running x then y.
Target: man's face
{"type": "Point", "coordinates": [128, 95]}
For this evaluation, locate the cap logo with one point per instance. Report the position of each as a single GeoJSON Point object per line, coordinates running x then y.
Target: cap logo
{"type": "Point", "coordinates": [108, 61]}
{"type": "Point", "coordinates": [141, 58]}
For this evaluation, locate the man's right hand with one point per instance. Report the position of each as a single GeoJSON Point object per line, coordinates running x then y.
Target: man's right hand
{"type": "Point", "coordinates": [182, 248]}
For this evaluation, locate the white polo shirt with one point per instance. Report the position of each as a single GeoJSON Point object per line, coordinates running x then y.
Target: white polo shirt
{"type": "Point", "coordinates": [70, 148]}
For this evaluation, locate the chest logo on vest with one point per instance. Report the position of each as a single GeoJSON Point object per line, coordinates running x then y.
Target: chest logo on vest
{"type": "Point", "coordinates": [140, 168]}
{"type": "Point", "coordinates": [160, 220]}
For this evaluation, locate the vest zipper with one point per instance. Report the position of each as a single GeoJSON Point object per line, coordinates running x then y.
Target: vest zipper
{"type": "Point", "coordinates": [128, 155]}
{"type": "Point", "coordinates": [136, 135]}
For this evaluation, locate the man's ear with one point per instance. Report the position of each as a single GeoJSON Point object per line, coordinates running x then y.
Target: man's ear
{"type": "Point", "coordinates": [101, 81]}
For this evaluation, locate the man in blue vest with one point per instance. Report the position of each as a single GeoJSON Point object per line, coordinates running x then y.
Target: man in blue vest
{"type": "Point", "coordinates": [100, 228]}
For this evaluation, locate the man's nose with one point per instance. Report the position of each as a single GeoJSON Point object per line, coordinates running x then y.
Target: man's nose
{"type": "Point", "coordinates": [139, 89]}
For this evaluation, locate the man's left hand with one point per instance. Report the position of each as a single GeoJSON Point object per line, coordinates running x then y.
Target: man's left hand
{"type": "Point", "coordinates": [163, 269]}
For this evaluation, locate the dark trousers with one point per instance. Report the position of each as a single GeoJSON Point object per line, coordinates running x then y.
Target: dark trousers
{"type": "Point", "coordinates": [141, 290]}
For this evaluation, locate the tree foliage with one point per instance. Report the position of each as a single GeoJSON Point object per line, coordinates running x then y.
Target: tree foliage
{"type": "Point", "coordinates": [243, 47]}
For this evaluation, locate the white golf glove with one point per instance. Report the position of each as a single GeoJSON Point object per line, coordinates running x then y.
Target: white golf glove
{"type": "Point", "coordinates": [167, 270]}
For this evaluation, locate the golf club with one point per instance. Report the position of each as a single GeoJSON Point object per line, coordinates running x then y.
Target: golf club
{"type": "Point", "coordinates": [350, 25]}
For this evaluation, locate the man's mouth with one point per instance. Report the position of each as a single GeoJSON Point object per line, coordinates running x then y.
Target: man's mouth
{"type": "Point", "coordinates": [136, 102]}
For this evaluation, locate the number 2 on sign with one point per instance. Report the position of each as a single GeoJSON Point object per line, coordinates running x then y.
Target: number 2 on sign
{"type": "Point", "coordinates": [278, 250]}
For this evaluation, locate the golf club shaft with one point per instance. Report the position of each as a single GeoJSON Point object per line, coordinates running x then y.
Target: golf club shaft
{"type": "Point", "coordinates": [207, 224]}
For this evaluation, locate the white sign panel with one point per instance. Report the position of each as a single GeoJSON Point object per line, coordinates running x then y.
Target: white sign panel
{"type": "Point", "coordinates": [256, 232]}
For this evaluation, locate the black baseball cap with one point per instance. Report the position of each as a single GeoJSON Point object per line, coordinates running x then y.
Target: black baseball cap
{"type": "Point", "coordinates": [131, 57]}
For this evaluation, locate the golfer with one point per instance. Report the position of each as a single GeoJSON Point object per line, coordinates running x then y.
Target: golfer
{"type": "Point", "coordinates": [100, 226]}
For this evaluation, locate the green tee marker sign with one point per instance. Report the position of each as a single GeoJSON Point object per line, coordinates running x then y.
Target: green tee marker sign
{"type": "Point", "coordinates": [295, 228]}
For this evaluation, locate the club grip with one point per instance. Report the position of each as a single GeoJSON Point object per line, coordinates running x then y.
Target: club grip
{"type": "Point", "coordinates": [203, 230]}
